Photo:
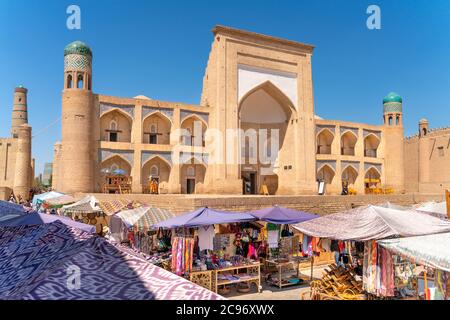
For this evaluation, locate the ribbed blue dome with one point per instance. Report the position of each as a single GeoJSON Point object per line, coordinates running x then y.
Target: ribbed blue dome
{"type": "Point", "coordinates": [392, 97]}
{"type": "Point", "coordinates": [78, 47]}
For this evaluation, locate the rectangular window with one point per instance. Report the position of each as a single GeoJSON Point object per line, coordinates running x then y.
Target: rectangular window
{"type": "Point", "coordinates": [441, 151]}
{"type": "Point", "coordinates": [113, 136]}
{"type": "Point", "coordinates": [153, 138]}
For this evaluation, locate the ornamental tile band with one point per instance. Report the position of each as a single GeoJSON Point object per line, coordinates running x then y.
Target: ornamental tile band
{"type": "Point", "coordinates": [105, 107]}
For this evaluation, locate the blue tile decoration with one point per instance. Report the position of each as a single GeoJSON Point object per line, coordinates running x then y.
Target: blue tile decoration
{"type": "Point", "coordinates": [148, 110]}
{"type": "Point", "coordinates": [105, 154]}
{"type": "Point", "coordinates": [330, 127]}
{"type": "Point", "coordinates": [199, 158]}
{"type": "Point", "coordinates": [146, 155]}
{"type": "Point", "coordinates": [185, 114]}
{"type": "Point", "coordinates": [368, 165]}
{"type": "Point", "coordinates": [77, 62]}
{"type": "Point", "coordinates": [320, 164]}
{"type": "Point", "coordinates": [354, 164]}
{"type": "Point", "coordinates": [105, 107]}
{"type": "Point", "coordinates": [376, 133]}
{"type": "Point", "coordinates": [354, 130]}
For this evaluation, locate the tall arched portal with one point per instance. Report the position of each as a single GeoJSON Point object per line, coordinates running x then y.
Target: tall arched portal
{"type": "Point", "coordinates": [265, 135]}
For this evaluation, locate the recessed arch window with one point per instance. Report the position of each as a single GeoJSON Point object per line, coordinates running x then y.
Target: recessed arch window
{"type": "Point", "coordinates": [80, 82]}
{"type": "Point", "coordinates": [69, 81]}
{"type": "Point", "coordinates": [113, 125]}
{"type": "Point", "coordinates": [397, 120]}
{"type": "Point", "coordinates": [390, 120]}
{"type": "Point", "coordinates": [113, 132]}
{"type": "Point", "coordinates": [154, 171]}
{"type": "Point", "coordinates": [190, 171]}
{"type": "Point", "coordinates": [153, 134]}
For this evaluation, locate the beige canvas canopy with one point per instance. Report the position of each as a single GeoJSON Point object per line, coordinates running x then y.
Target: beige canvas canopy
{"type": "Point", "coordinates": [373, 223]}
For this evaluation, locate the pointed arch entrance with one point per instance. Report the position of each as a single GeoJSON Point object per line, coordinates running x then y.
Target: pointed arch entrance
{"type": "Point", "coordinates": [264, 116]}
{"type": "Point", "coordinates": [192, 176]}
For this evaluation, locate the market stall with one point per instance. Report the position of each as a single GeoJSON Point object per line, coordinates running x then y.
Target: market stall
{"type": "Point", "coordinates": [58, 202]}
{"type": "Point", "coordinates": [285, 256]}
{"type": "Point", "coordinates": [38, 199]}
{"type": "Point", "coordinates": [135, 226]}
{"type": "Point", "coordinates": [86, 210]}
{"type": "Point", "coordinates": [216, 248]}
{"type": "Point", "coordinates": [363, 227]}
{"type": "Point", "coordinates": [431, 252]}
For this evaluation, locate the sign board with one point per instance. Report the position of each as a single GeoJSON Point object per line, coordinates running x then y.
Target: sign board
{"type": "Point", "coordinates": [321, 188]}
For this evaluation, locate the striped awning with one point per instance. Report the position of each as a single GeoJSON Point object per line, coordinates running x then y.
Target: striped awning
{"type": "Point", "coordinates": [141, 219]}
{"type": "Point", "coordinates": [114, 206]}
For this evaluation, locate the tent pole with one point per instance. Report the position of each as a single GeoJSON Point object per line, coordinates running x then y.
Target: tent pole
{"type": "Point", "coordinates": [312, 267]}
{"type": "Point", "coordinates": [425, 285]}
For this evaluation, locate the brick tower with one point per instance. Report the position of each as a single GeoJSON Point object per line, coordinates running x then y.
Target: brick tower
{"type": "Point", "coordinates": [77, 119]}
{"type": "Point", "coordinates": [393, 121]}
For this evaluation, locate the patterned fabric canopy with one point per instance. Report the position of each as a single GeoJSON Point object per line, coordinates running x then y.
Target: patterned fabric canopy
{"type": "Point", "coordinates": [36, 263]}
{"type": "Point", "coordinates": [373, 223]}
{"type": "Point", "coordinates": [9, 210]}
{"type": "Point", "coordinates": [114, 206]}
{"type": "Point", "coordinates": [431, 250]}
{"type": "Point", "coordinates": [142, 219]}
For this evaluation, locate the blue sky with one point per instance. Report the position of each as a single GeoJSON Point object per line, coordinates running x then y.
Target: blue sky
{"type": "Point", "coordinates": [160, 49]}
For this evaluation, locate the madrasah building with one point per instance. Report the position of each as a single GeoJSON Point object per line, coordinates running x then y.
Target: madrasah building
{"type": "Point", "coordinates": [257, 94]}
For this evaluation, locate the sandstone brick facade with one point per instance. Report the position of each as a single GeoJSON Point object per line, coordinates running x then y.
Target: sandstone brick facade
{"type": "Point", "coordinates": [252, 82]}
{"type": "Point", "coordinates": [16, 163]}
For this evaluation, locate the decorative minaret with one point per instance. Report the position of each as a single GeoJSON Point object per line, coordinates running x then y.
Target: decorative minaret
{"type": "Point", "coordinates": [77, 118]}
{"type": "Point", "coordinates": [393, 149]}
{"type": "Point", "coordinates": [20, 110]}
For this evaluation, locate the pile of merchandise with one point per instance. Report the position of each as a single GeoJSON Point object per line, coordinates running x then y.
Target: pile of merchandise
{"type": "Point", "coordinates": [338, 283]}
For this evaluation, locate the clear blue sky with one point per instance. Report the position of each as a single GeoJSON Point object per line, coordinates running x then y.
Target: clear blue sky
{"type": "Point", "coordinates": [160, 49]}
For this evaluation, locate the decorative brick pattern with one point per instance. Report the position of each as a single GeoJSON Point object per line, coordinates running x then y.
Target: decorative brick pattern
{"type": "Point", "coordinates": [77, 62]}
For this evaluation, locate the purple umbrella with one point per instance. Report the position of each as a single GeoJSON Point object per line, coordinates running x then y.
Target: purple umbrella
{"type": "Point", "coordinates": [204, 217]}
{"type": "Point", "coordinates": [280, 215]}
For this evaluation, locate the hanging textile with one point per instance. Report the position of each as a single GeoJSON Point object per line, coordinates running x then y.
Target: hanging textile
{"type": "Point", "coordinates": [370, 267]}
{"type": "Point", "coordinates": [273, 238]}
{"type": "Point", "coordinates": [182, 255]}
{"type": "Point", "coordinates": [386, 270]}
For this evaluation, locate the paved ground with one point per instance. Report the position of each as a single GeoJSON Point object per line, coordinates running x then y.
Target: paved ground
{"type": "Point", "coordinates": [274, 293]}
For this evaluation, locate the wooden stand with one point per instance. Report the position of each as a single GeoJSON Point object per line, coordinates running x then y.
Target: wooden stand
{"type": "Point", "coordinates": [293, 265]}
{"type": "Point", "coordinates": [209, 279]}
{"type": "Point", "coordinates": [254, 270]}
{"type": "Point", "coordinates": [117, 184]}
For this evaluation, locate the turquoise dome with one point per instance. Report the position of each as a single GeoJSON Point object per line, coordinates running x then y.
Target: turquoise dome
{"type": "Point", "coordinates": [392, 97]}
{"type": "Point", "coordinates": [78, 47]}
